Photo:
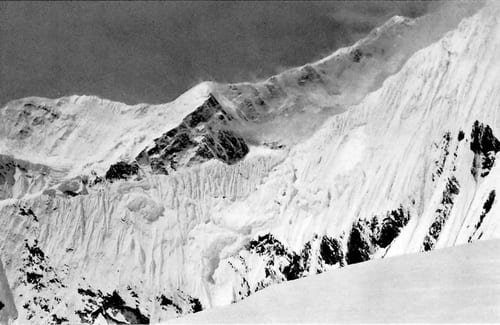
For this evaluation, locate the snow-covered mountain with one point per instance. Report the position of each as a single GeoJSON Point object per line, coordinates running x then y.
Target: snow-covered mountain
{"type": "Point", "coordinates": [452, 285]}
{"type": "Point", "coordinates": [143, 213]}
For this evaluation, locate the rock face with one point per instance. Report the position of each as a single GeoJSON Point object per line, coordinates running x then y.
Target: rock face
{"type": "Point", "coordinates": [121, 170]}
{"type": "Point", "coordinates": [202, 135]}
{"type": "Point", "coordinates": [367, 236]}
{"type": "Point", "coordinates": [485, 147]}
{"type": "Point", "coordinates": [143, 213]}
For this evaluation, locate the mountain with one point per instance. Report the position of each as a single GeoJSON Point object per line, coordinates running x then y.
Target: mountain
{"type": "Point", "coordinates": [414, 288]}
{"type": "Point", "coordinates": [143, 213]}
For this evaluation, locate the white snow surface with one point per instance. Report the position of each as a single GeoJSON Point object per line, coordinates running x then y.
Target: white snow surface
{"type": "Point", "coordinates": [450, 285]}
{"type": "Point", "coordinates": [8, 310]}
{"type": "Point", "coordinates": [364, 134]}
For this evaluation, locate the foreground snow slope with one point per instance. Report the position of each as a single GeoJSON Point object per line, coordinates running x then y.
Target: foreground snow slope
{"type": "Point", "coordinates": [142, 213]}
{"type": "Point", "coordinates": [459, 284]}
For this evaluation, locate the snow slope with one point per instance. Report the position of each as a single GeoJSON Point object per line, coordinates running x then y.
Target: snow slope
{"type": "Point", "coordinates": [451, 285]}
{"type": "Point", "coordinates": [143, 213]}
{"type": "Point", "coordinates": [8, 310]}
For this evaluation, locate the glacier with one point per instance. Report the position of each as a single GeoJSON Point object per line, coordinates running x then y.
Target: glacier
{"type": "Point", "coordinates": [144, 213]}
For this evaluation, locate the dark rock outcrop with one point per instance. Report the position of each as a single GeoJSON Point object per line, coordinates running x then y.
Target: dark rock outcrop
{"type": "Point", "coordinates": [367, 236]}
{"type": "Point", "coordinates": [308, 75]}
{"type": "Point", "coordinates": [182, 303]}
{"type": "Point", "coordinates": [121, 170]}
{"type": "Point", "coordinates": [167, 303]}
{"type": "Point", "coordinates": [330, 250]}
{"type": "Point", "coordinates": [389, 228]}
{"type": "Point", "coordinates": [110, 306]}
{"type": "Point", "coordinates": [358, 244]}
{"type": "Point", "coordinates": [356, 55]}
{"type": "Point", "coordinates": [486, 209]}
{"type": "Point", "coordinates": [444, 151]}
{"type": "Point", "coordinates": [284, 264]}
{"type": "Point", "coordinates": [485, 147]}
{"type": "Point", "coordinates": [202, 135]}
{"type": "Point", "coordinates": [27, 212]}
{"type": "Point", "coordinates": [452, 189]}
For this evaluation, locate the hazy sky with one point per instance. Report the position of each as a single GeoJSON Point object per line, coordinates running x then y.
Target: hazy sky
{"type": "Point", "coordinates": [154, 51]}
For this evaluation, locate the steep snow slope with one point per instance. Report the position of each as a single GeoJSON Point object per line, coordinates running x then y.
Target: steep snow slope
{"type": "Point", "coordinates": [459, 284]}
{"type": "Point", "coordinates": [8, 310]}
{"type": "Point", "coordinates": [142, 213]}
{"type": "Point", "coordinates": [409, 158]}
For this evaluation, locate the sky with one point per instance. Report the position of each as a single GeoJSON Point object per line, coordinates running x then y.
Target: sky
{"type": "Point", "coordinates": [154, 51]}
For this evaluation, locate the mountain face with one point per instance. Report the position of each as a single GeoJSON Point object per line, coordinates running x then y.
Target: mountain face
{"type": "Point", "coordinates": [138, 214]}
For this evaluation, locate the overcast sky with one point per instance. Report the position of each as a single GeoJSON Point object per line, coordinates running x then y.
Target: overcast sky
{"type": "Point", "coordinates": [153, 51]}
